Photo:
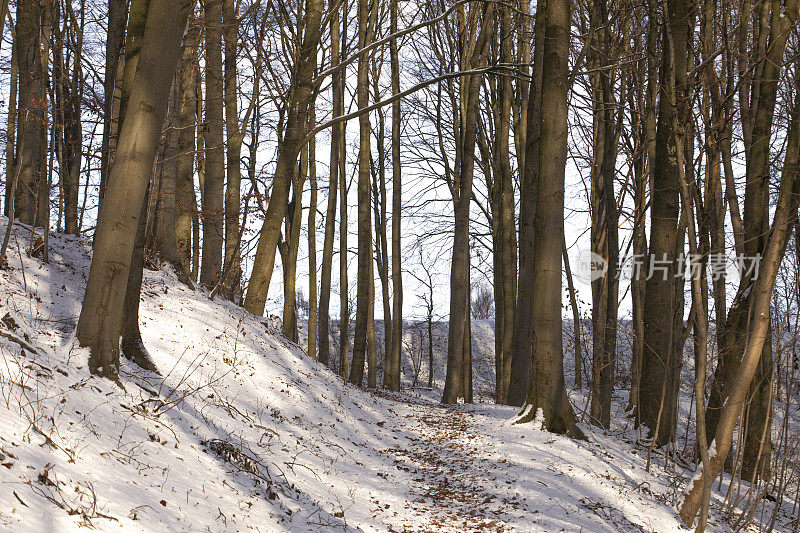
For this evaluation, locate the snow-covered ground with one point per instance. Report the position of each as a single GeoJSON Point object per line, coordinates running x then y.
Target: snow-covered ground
{"type": "Point", "coordinates": [245, 432]}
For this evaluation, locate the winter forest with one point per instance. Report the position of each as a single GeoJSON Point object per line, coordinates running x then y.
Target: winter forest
{"type": "Point", "coordinates": [400, 265]}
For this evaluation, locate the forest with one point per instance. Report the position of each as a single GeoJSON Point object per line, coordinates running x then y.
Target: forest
{"type": "Point", "coordinates": [581, 213]}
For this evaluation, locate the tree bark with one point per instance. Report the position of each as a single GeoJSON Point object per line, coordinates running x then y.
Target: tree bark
{"type": "Point", "coordinates": [333, 189]}
{"type": "Point", "coordinates": [32, 107]}
{"type": "Point", "coordinates": [185, 202]}
{"type": "Point", "coordinates": [300, 100]}
{"type": "Point", "coordinates": [662, 313]}
{"type": "Point", "coordinates": [364, 192]}
{"type": "Point", "coordinates": [214, 185]}
{"type": "Point", "coordinates": [605, 240]}
{"type": "Point", "coordinates": [521, 361]}
{"type": "Point", "coordinates": [391, 378]}
{"type": "Point", "coordinates": [458, 374]}
{"type": "Point", "coordinates": [234, 138]}
{"type": "Point", "coordinates": [115, 38]}
{"type": "Point", "coordinates": [101, 312]}
{"type": "Point", "coordinates": [11, 127]}
{"type": "Point", "coordinates": [547, 400]}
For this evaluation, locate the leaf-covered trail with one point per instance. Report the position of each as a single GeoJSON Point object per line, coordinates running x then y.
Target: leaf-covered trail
{"type": "Point", "coordinates": [457, 477]}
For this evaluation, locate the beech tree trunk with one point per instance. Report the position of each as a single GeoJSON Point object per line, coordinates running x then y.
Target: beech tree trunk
{"type": "Point", "coordinates": [213, 187]}
{"type": "Point", "coordinates": [312, 243]}
{"type": "Point", "coordinates": [101, 312]}
{"type": "Point", "coordinates": [31, 190]}
{"type": "Point", "coordinates": [333, 190]}
{"type": "Point", "coordinates": [365, 268]}
{"type": "Point", "coordinates": [115, 38]}
{"type": "Point", "coordinates": [234, 138]}
{"type": "Point", "coordinates": [300, 100]}
{"type": "Point", "coordinates": [547, 401]}
{"type": "Point", "coordinates": [663, 313]}
{"type": "Point", "coordinates": [458, 375]}
{"type": "Point", "coordinates": [185, 202]}
{"type": "Point", "coordinates": [521, 358]}
{"type": "Point", "coordinates": [391, 378]}
{"type": "Point", "coordinates": [604, 233]}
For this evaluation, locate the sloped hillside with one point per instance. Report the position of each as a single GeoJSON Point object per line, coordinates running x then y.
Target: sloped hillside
{"type": "Point", "coordinates": [245, 432]}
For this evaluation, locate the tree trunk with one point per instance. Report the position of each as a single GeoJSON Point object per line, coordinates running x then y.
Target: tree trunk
{"type": "Point", "coordinates": [391, 378]}
{"type": "Point", "coordinates": [234, 139]}
{"type": "Point", "coordinates": [290, 247]}
{"type": "Point", "coordinates": [333, 189]}
{"type": "Point", "coordinates": [576, 317]}
{"type": "Point", "coordinates": [131, 343]}
{"type": "Point", "coordinates": [11, 126]}
{"type": "Point", "coordinates": [457, 379]}
{"type": "Point", "coordinates": [521, 362]}
{"type": "Point", "coordinates": [165, 241]}
{"type": "Point", "coordinates": [506, 244]}
{"type": "Point", "coordinates": [115, 38]}
{"type": "Point", "coordinates": [547, 401]}
{"type": "Point", "coordinates": [300, 100]}
{"type": "Point", "coordinates": [605, 289]}
{"type": "Point", "coordinates": [344, 283]}
{"type": "Point", "coordinates": [185, 202]}
{"type": "Point", "coordinates": [213, 193]}
{"type": "Point", "coordinates": [662, 313]}
{"type": "Point", "coordinates": [101, 312]}
{"type": "Point", "coordinates": [312, 242]}
{"type": "Point", "coordinates": [643, 174]}
{"type": "Point", "coordinates": [364, 192]}
{"type": "Point", "coordinates": [32, 107]}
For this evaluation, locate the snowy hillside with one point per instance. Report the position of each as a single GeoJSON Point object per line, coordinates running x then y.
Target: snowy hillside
{"type": "Point", "coordinates": [245, 432]}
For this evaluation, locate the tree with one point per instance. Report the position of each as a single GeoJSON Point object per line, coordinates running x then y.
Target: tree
{"type": "Point", "coordinates": [475, 31]}
{"type": "Point", "coordinates": [115, 39]}
{"type": "Point", "coordinates": [519, 379]}
{"type": "Point", "coordinates": [337, 82]}
{"type": "Point", "coordinates": [185, 201]}
{"type": "Point", "coordinates": [32, 198]}
{"type": "Point", "coordinates": [605, 220]}
{"type": "Point", "coordinates": [289, 148]}
{"type": "Point", "coordinates": [366, 16]}
{"type": "Point", "coordinates": [214, 183]}
{"type": "Point", "coordinates": [547, 400]}
{"type": "Point", "coordinates": [663, 305]}
{"type": "Point", "coordinates": [101, 312]}
{"type": "Point", "coordinates": [392, 369]}
{"type": "Point", "coordinates": [759, 327]}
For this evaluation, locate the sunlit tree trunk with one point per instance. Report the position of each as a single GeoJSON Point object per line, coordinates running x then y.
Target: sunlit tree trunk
{"type": "Point", "coordinates": [300, 100]}
{"type": "Point", "coordinates": [547, 400]}
{"type": "Point", "coordinates": [458, 374]}
{"type": "Point", "coordinates": [234, 138]}
{"type": "Point", "coordinates": [185, 203]}
{"type": "Point", "coordinates": [32, 108]}
{"type": "Point", "coordinates": [101, 312]}
{"type": "Point", "coordinates": [115, 38]}
{"type": "Point", "coordinates": [364, 275]}
{"type": "Point", "coordinates": [391, 378]}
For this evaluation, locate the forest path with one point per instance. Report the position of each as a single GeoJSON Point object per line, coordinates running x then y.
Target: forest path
{"type": "Point", "coordinates": [460, 481]}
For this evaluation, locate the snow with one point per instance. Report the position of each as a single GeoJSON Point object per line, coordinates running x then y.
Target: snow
{"type": "Point", "coordinates": [244, 432]}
